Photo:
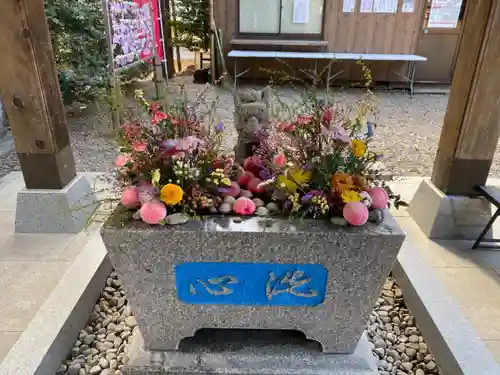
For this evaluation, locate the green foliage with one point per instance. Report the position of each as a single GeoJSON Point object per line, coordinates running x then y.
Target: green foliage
{"type": "Point", "coordinates": [192, 24]}
{"type": "Point", "coordinates": [80, 48]}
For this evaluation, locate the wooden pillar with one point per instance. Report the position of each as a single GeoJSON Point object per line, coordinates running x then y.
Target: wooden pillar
{"type": "Point", "coordinates": [30, 90]}
{"type": "Point", "coordinates": [472, 122]}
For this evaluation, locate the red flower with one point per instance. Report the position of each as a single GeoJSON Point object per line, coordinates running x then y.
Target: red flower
{"type": "Point", "coordinates": [175, 121]}
{"type": "Point", "coordinates": [328, 114]}
{"type": "Point", "coordinates": [140, 146]}
{"type": "Point", "coordinates": [304, 119]}
{"type": "Point", "coordinates": [284, 127]}
{"type": "Point", "coordinates": [158, 117]}
{"type": "Point", "coordinates": [154, 107]}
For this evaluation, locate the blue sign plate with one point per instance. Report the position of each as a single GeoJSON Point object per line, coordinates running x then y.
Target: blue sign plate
{"type": "Point", "coordinates": [251, 284]}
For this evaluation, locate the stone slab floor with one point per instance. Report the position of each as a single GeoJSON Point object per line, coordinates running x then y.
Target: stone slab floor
{"type": "Point", "coordinates": [471, 276]}
{"type": "Point", "coordinates": [31, 265]}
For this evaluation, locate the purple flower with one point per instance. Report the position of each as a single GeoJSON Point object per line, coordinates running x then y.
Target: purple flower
{"type": "Point", "coordinates": [169, 144]}
{"type": "Point", "coordinates": [264, 175]}
{"type": "Point", "coordinates": [147, 192]}
{"type": "Point", "coordinates": [379, 156]}
{"type": "Point", "coordinates": [337, 133]}
{"type": "Point", "coordinates": [223, 190]}
{"type": "Point", "coordinates": [306, 197]}
{"type": "Point", "coordinates": [219, 128]}
{"type": "Point", "coordinates": [369, 132]}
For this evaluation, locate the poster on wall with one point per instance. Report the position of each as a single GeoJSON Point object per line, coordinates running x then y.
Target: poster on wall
{"type": "Point", "coordinates": [408, 6]}
{"type": "Point", "coordinates": [349, 6]}
{"type": "Point", "coordinates": [301, 11]}
{"type": "Point", "coordinates": [132, 36]}
{"type": "Point", "coordinates": [366, 6]}
{"type": "Point", "coordinates": [444, 13]}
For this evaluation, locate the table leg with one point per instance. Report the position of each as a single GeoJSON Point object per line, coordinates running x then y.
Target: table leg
{"type": "Point", "coordinates": [235, 74]}
{"type": "Point", "coordinates": [413, 66]}
{"type": "Point", "coordinates": [486, 229]}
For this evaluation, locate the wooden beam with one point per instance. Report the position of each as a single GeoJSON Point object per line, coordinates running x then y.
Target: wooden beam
{"type": "Point", "coordinates": [30, 90]}
{"type": "Point", "coordinates": [472, 121]}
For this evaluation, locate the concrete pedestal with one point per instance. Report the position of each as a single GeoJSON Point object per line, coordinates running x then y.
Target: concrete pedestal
{"type": "Point", "coordinates": [242, 352]}
{"type": "Point", "coordinates": [448, 217]}
{"type": "Point", "coordinates": [56, 211]}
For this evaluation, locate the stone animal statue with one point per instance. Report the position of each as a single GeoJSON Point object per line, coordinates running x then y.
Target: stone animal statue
{"type": "Point", "coordinates": [252, 114]}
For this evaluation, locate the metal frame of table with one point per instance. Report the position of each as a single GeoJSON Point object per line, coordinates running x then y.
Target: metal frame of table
{"type": "Point", "coordinates": [333, 57]}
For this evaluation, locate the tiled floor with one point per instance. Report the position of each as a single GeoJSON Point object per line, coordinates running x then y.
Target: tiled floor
{"type": "Point", "coordinates": [31, 265]}
{"type": "Point", "coordinates": [471, 276]}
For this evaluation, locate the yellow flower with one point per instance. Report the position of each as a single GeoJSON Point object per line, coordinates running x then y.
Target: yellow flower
{"type": "Point", "coordinates": [350, 196]}
{"type": "Point", "coordinates": [294, 178]}
{"type": "Point", "coordinates": [155, 177]}
{"type": "Point", "coordinates": [226, 181]}
{"type": "Point", "coordinates": [358, 148]}
{"type": "Point", "coordinates": [171, 194]}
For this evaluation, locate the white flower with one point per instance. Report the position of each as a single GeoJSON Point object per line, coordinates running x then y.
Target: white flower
{"type": "Point", "coordinates": [366, 199]}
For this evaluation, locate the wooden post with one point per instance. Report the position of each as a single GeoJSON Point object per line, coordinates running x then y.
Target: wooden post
{"type": "Point", "coordinates": [471, 125]}
{"type": "Point", "coordinates": [30, 90]}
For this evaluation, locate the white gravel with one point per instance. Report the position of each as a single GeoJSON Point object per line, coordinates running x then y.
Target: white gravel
{"type": "Point", "coordinates": [101, 347]}
{"type": "Point", "coordinates": [408, 131]}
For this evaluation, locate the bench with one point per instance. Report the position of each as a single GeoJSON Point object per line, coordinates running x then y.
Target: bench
{"type": "Point", "coordinates": [331, 56]}
{"type": "Point", "coordinates": [492, 194]}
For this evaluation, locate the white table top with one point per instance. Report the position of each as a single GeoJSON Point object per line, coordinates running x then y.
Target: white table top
{"type": "Point", "coordinates": [327, 55]}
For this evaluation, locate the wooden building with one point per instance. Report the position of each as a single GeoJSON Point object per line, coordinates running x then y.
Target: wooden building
{"type": "Point", "coordinates": [429, 28]}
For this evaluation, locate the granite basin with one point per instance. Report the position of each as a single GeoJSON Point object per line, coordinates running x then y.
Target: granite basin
{"type": "Point", "coordinates": [252, 273]}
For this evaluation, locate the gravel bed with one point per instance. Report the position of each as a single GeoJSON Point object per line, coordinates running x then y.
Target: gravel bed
{"type": "Point", "coordinates": [396, 340]}
{"type": "Point", "coordinates": [408, 132]}
{"type": "Point", "coordinates": [101, 347]}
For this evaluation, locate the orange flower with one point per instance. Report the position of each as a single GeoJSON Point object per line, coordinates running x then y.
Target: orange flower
{"type": "Point", "coordinates": [341, 182]}
{"type": "Point", "coordinates": [171, 194]}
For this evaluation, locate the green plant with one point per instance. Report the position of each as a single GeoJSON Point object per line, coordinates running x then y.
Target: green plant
{"type": "Point", "coordinates": [192, 24]}
{"type": "Point", "coordinates": [80, 49]}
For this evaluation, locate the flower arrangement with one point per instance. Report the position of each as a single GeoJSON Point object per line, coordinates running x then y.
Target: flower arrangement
{"type": "Point", "coordinates": [317, 164]}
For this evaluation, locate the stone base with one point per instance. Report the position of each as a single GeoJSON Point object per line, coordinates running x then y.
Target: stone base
{"type": "Point", "coordinates": [448, 217]}
{"type": "Point", "coordinates": [242, 352]}
{"type": "Point", "coordinates": [55, 211]}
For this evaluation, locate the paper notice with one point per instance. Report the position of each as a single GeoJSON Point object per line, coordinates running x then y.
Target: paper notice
{"type": "Point", "coordinates": [444, 13]}
{"type": "Point", "coordinates": [385, 6]}
{"type": "Point", "coordinates": [349, 6]}
{"type": "Point", "coordinates": [408, 6]}
{"type": "Point", "coordinates": [366, 6]}
{"type": "Point", "coordinates": [301, 11]}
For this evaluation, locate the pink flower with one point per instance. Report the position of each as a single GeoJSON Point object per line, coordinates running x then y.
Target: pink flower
{"type": "Point", "coordinates": [189, 144]}
{"type": "Point", "coordinates": [121, 160]}
{"type": "Point", "coordinates": [355, 213]}
{"type": "Point", "coordinates": [147, 192]}
{"type": "Point", "coordinates": [244, 206]}
{"type": "Point", "coordinates": [140, 146]}
{"type": "Point", "coordinates": [153, 212]}
{"type": "Point", "coordinates": [279, 160]}
{"type": "Point", "coordinates": [130, 197]}
{"type": "Point", "coordinates": [158, 117]}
